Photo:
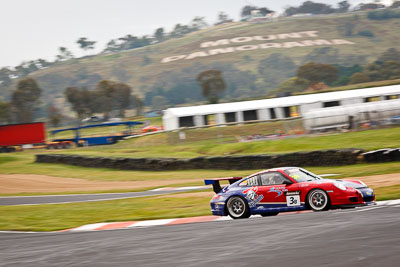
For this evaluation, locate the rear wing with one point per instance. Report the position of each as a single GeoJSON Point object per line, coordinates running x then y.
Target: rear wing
{"type": "Point", "coordinates": [215, 182]}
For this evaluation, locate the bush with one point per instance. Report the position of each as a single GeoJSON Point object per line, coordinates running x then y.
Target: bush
{"type": "Point", "coordinates": [366, 33]}
{"type": "Point", "coordinates": [383, 14]}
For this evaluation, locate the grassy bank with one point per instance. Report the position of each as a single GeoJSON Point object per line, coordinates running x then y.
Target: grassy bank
{"type": "Point", "coordinates": [23, 163]}
{"type": "Point", "coordinates": [222, 141]}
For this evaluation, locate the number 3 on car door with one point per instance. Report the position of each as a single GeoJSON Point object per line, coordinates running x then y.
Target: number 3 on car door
{"type": "Point", "coordinates": [293, 199]}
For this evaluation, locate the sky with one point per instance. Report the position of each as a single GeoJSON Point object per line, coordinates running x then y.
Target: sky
{"type": "Point", "coordinates": [33, 29]}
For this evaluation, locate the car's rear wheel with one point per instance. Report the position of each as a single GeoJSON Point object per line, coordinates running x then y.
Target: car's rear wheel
{"type": "Point", "coordinates": [318, 200]}
{"type": "Point", "coordinates": [238, 208]}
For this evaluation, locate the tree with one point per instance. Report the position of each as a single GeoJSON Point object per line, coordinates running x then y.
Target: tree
{"type": "Point", "coordinates": [113, 46]}
{"type": "Point", "coordinates": [315, 73]}
{"type": "Point", "coordinates": [369, 6]}
{"type": "Point", "coordinates": [343, 7]}
{"type": "Point", "coordinates": [359, 77]}
{"type": "Point", "coordinates": [390, 70]}
{"type": "Point", "coordinates": [64, 55]}
{"type": "Point", "coordinates": [21, 70]}
{"type": "Point", "coordinates": [85, 44]}
{"type": "Point", "coordinates": [309, 7]}
{"type": "Point", "coordinates": [121, 97]}
{"type": "Point", "coordinates": [180, 31]}
{"type": "Point", "coordinates": [4, 112]}
{"type": "Point", "coordinates": [222, 18]}
{"type": "Point", "coordinates": [197, 23]}
{"type": "Point", "coordinates": [106, 97]}
{"type": "Point", "coordinates": [41, 63]}
{"type": "Point", "coordinates": [24, 99]}
{"type": "Point", "coordinates": [80, 100]}
{"type": "Point", "coordinates": [131, 42]}
{"type": "Point", "coordinates": [265, 11]}
{"type": "Point", "coordinates": [159, 35]}
{"type": "Point", "coordinates": [105, 90]}
{"type": "Point", "coordinates": [246, 10]}
{"type": "Point", "coordinates": [5, 80]}
{"type": "Point", "coordinates": [212, 84]}
{"type": "Point", "coordinates": [54, 116]}
{"type": "Point", "coordinates": [294, 84]}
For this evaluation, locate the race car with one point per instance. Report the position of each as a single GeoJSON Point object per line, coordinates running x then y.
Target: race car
{"type": "Point", "coordinates": [285, 189]}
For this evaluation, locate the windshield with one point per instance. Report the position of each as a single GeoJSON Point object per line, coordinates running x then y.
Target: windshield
{"type": "Point", "coordinates": [301, 175]}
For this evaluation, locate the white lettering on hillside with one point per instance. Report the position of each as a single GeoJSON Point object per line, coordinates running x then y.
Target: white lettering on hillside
{"type": "Point", "coordinates": [270, 37]}
{"type": "Point", "coordinates": [248, 47]}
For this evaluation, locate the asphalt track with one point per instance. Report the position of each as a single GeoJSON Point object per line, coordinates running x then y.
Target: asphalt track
{"type": "Point", "coordinates": [58, 199]}
{"type": "Point", "coordinates": [368, 236]}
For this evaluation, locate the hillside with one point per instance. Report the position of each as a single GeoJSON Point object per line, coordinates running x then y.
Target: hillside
{"type": "Point", "coordinates": [254, 58]}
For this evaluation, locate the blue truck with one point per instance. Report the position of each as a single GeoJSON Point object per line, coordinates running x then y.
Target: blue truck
{"type": "Point", "coordinates": [79, 140]}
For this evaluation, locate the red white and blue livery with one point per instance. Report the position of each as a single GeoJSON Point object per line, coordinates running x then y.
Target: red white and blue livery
{"type": "Point", "coordinates": [285, 189]}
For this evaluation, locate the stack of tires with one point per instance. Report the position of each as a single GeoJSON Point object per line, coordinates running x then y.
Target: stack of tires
{"type": "Point", "coordinates": [382, 155]}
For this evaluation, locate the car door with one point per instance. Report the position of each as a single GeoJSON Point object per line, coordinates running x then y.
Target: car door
{"type": "Point", "coordinates": [275, 193]}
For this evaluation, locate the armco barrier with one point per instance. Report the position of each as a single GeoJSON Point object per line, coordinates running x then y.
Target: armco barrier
{"type": "Point", "coordinates": [250, 162]}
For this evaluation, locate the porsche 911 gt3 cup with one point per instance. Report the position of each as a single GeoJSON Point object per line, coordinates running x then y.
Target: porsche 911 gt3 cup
{"type": "Point", "coordinates": [285, 189]}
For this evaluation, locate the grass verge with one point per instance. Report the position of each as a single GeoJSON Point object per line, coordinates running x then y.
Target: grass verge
{"type": "Point", "coordinates": [64, 216]}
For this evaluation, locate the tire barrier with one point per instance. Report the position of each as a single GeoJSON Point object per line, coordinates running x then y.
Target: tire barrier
{"type": "Point", "coordinates": [250, 162]}
{"type": "Point", "coordinates": [382, 155]}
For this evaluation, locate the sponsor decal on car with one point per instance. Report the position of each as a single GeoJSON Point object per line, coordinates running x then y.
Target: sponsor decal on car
{"type": "Point", "coordinates": [252, 196]}
{"type": "Point", "coordinates": [279, 190]}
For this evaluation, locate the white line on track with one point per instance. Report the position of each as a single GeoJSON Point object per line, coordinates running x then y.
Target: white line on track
{"type": "Point", "coordinates": [152, 223]}
{"type": "Point", "coordinates": [88, 227]}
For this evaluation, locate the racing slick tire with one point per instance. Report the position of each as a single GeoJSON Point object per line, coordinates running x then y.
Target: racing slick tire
{"type": "Point", "coordinates": [269, 214]}
{"type": "Point", "coordinates": [238, 208]}
{"type": "Point", "coordinates": [318, 200]}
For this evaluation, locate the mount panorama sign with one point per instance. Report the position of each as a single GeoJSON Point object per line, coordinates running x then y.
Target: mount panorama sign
{"type": "Point", "coordinates": [307, 35]}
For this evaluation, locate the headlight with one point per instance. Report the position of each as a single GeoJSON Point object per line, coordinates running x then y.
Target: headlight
{"type": "Point", "coordinates": [339, 185]}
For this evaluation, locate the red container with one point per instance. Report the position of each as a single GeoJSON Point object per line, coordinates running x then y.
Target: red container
{"type": "Point", "coordinates": [22, 134]}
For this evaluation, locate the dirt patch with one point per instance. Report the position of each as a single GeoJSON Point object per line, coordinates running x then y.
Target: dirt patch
{"type": "Point", "coordinates": [32, 183]}
{"type": "Point", "coordinates": [380, 180]}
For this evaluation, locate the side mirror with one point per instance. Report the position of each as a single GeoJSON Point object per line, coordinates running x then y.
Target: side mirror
{"type": "Point", "coordinates": [286, 182]}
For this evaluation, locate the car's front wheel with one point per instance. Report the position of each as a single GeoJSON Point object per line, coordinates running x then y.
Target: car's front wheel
{"type": "Point", "coordinates": [238, 208]}
{"type": "Point", "coordinates": [318, 200]}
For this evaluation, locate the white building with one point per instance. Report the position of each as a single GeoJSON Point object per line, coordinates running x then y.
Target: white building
{"type": "Point", "coordinates": [272, 109]}
{"type": "Point", "coordinates": [336, 117]}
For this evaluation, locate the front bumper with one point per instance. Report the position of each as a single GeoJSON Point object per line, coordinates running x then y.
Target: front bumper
{"type": "Point", "coordinates": [353, 197]}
